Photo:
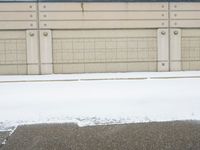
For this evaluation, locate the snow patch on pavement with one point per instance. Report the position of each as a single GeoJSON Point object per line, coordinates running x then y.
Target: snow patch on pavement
{"type": "Point", "coordinates": [99, 102]}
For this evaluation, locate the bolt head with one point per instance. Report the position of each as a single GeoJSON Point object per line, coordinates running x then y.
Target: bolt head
{"type": "Point", "coordinates": [163, 32]}
{"type": "Point", "coordinates": [175, 32]}
{"type": "Point", "coordinates": [45, 33]}
{"type": "Point", "coordinates": [31, 33]}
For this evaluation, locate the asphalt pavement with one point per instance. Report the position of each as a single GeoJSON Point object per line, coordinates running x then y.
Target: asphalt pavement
{"type": "Point", "coordinates": [176, 135]}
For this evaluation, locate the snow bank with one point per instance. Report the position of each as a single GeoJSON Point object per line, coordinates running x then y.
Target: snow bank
{"type": "Point", "coordinates": [99, 102]}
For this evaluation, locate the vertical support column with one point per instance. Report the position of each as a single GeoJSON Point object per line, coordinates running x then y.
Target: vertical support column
{"type": "Point", "coordinates": [163, 49]}
{"type": "Point", "coordinates": [32, 52]}
{"type": "Point", "coordinates": [175, 50]}
{"type": "Point", "coordinates": [46, 59]}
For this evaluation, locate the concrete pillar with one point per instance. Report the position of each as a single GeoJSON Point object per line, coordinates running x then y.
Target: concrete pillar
{"type": "Point", "coordinates": [163, 49]}
{"type": "Point", "coordinates": [175, 50]}
{"type": "Point", "coordinates": [32, 52]}
{"type": "Point", "coordinates": [46, 59]}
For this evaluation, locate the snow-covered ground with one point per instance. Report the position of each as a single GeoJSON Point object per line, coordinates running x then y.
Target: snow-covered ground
{"type": "Point", "coordinates": [89, 102]}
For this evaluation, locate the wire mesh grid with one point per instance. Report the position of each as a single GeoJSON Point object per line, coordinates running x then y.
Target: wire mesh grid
{"type": "Point", "coordinates": [13, 55]}
{"type": "Point", "coordinates": [190, 53]}
{"type": "Point", "coordinates": [91, 50]}
{"type": "Point", "coordinates": [113, 53]}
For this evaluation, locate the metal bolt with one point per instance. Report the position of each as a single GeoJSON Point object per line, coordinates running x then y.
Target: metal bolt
{"type": "Point", "coordinates": [175, 32]}
{"type": "Point", "coordinates": [163, 32]}
{"type": "Point", "coordinates": [31, 33]}
{"type": "Point", "coordinates": [163, 64]}
{"type": "Point", "coordinates": [45, 33]}
{"type": "Point", "coordinates": [44, 6]}
{"type": "Point", "coordinates": [30, 6]}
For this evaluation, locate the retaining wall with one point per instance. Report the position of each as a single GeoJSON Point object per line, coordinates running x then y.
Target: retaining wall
{"type": "Point", "coordinates": [45, 37]}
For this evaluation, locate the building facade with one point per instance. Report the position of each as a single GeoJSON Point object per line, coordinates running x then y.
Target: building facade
{"type": "Point", "coordinates": [73, 36]}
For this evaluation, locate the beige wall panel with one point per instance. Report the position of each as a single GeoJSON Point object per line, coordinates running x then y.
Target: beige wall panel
{"type": "Point", "coordinates": [8, 69]}
{"type": "Point", "coordinates": [17, 16]}
{"type": "Point", "coordinates": [153, 66]}
{"type": "Point", "coordinates": [46, 52]}
{"type": "Point", "coordinates": [102, 24]}
{"type": "Point", "coordinates": [12, 25]}
{"type": "Point", "coordinates": [190, 49]}
{"type": "Point", "coordinates": [195, 65]}
{"type": "Point", "coordinates": [185, 23]}
{"type": "Point", "coordinates": [102, 6]}
{"type": "Point", "coordinates": [190, 65]}
{"type": "Point", "coordinates": [13, 69]}
{"type": "Point", "coordinates": [95, 67]}
{"type": "Point", "coordinates": [104, 50]}
{"type": "Point", "coordinates": [71, 68]}
{"type": "Point", "coordinates": [190, 33]}
{"type": "Point", "coordinates": [58, 68]}
{"type": "Point", "coordinates": [12, 35]}
{"type": "Point", "coordinates": [142, 66]}
{"type": "Point", "coordinates": [163, 50]}
{"type": "Point", "coordinates": [21, 69]}
{"type": "Point", "coordinates": [185, 65]}
{"type": "Point", "coordinates": [116, 67]}
{"type": "Point", "coordinates": [13, 52]}
{"type": "Point", "coordinates": [185, 15]}
{"type": "Point", "coordinates": [175, 50]}
{"type": "Point", "coordinates": [32, 51]}
{"type": "Point", "coordinates": [102, 15]}
{"type": "Point", "coordinates": [105, 67]}
{"type": "Point", "coordinates": [103, 33]}
{"type": "Point", "coordinates": [185, 6]}
{"type": "Point", "coordinates": [18, 7]}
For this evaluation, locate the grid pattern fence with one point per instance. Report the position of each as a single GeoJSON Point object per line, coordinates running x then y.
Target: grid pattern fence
{"type": "Point", "coordinates": [13, 56]}
{"type": "Point", "coordinates": [104, 50]}
{"type": "Point", "coordinates": [190, 53]}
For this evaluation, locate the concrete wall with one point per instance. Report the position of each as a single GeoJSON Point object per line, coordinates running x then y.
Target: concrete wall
{"type": "Point", "coordinates": [46, 38]}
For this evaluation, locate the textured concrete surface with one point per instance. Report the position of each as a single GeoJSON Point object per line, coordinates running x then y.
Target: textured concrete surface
{"type": "Point", "coordinates": [140, 136]}
{"type": "Point", "coordinates": [3, 136]}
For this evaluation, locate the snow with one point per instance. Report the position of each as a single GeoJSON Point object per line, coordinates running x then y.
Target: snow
{"type": "Point", "coordinates": [157, 97]}
{"type": "Point", "coordinates": [74, 77]}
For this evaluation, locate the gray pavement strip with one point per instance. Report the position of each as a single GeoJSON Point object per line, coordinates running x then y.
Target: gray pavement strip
{"type": "Point", "coordinates": [175, 135]}
{"type": "Point", "coordinates": [3, 136]}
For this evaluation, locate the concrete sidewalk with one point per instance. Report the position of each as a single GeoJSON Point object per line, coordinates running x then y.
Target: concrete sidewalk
{"type": "Point", "coordinates": [99, 76]}
{"type": "Point", "coordinates": [178, 135]}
